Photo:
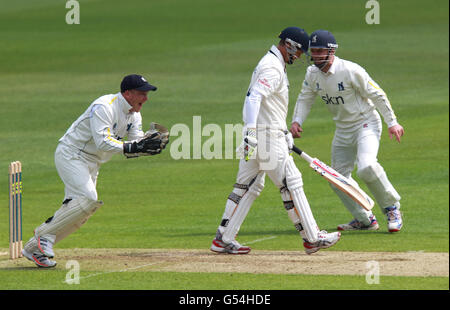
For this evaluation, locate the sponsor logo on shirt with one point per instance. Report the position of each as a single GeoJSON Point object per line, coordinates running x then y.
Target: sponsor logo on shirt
{"type": "Point", "coordinates": [264, 82]}
{"type": "Point", "coordinates": [341, 86]}
{"type": "Point", "coordinates": [333, 100]}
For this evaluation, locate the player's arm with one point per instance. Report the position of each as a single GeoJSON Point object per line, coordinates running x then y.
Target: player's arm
{"type": "Point", "coordinates": [303, 106]}
{"type": "Point", "coordinates": [101, 122]}
{"type": "Point", "coordinates": [370, 89]}
{"type": "Point", "coordinates": [267, 82]}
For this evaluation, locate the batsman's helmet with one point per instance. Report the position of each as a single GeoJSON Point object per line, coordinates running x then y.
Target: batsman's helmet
{"type": "Point", "coordinates": [297, 37]}
{"type": "Point", "coordinates": [322, 39]}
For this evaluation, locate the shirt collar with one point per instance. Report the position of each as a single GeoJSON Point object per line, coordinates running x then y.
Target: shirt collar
{"type": "Point", "coordinates": [123, 103]}
{"type": "Point", "coordinates": [332, 69]}
{"type": "Point", "coordinates": [274, 50]}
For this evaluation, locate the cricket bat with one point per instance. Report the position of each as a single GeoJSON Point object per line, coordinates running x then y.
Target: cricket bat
{"type": "Point", "coordinates": [349, 187]}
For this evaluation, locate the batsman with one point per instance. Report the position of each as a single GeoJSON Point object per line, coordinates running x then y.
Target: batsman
{"type": "Point", "coordinates": [266, 147]}
{"type": "Point", "coordinates": [92, 140]}
{"type": "Point", "coordinates": [353, 99]}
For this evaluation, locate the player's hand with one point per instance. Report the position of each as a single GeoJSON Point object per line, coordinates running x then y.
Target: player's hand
{"type": "Point", "coordinates": [296, 130]}
{"type": "Point", "coordinates": [250, 143]}
{"type": "Point", "coordinates": [397, 131]}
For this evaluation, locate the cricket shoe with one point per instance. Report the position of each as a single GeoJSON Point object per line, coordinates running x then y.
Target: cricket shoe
{"type": "Point", "coordinates": [394, 218]}
{"type": "Point", "coordinates": [325, 241]}
{"type": "Point", "coordinates": [233, 247]}
{"type": "Point", "coordinates": [357, 225]}
{"type": "Point", "coordinates": [45, 246]}
{"type": "Point", "coordinates": [40, 260]}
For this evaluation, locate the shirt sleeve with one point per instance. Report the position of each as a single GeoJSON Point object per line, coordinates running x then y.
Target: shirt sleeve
{"type": "Point", "coordinates": [101, 121]}
{"type": "Point", "coordinates": [251, 108]}
{"type": "Point", "coordinates": [135, 130]}
{"type": "Point", "coordinates": [368, 88]}
{"type": "Point", "coordinates": [304, 100]}
{"type": "Point", "coordinates": [267, 81]}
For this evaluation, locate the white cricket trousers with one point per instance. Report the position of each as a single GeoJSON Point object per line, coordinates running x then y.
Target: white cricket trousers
{"type": "Point", "coordinates": [79, 177]}
{"type": "Point", "coordinates": [273, 159]}
{"type": "Point", "coordinates": [78, 174]}
{"type": "Point", "coordinates": [359, 147]}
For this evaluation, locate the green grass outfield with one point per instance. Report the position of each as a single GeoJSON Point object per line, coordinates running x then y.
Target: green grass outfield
{"type": "Point", "coordinates": [201, 54]}
{"type": "Point", "coordinates": [54, 280]}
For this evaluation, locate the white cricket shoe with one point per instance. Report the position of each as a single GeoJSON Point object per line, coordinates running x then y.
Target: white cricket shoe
{"type": "Point", "coordinates": [39, 259]}
{"type": "Point", "coordinates": [357, 225]}
{"type": "Point", "coordinates": [394, 218]}
{"type": "Point", "coordinates": [326, 240]}
{"type": "Point", "coordinates": [45, 246]}
{"type": "Point", "coordinates": [233, 247]}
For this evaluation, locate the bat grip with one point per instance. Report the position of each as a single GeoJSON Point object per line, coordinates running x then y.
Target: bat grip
{"type": "Point", "coordinates": [297, 150]}
{"type": "Point", "coordinates": [302, 154]}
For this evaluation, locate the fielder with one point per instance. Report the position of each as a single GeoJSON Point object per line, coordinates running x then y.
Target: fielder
{"type": "Point", "coordinates": [266, 147]}
{"type": "Point", "coordinates": [352, 97]}
{"type": "Point", "coordinates": [91, 141]}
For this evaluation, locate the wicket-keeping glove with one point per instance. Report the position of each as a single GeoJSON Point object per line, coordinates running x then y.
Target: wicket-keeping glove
{"type": "Point", "coordinates": [153, 142]}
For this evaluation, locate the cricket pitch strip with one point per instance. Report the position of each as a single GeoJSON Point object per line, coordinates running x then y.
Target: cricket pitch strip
{"type": "Point", "coordinates": [422, 264]}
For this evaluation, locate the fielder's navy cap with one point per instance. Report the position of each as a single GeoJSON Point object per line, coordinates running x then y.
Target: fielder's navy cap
{"type": "Point", "coordinates": [136, 81]}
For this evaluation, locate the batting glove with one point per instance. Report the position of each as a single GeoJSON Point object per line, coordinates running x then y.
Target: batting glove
{"type": "Point", "coordinates": [250, 143]}
{"type": "Point", "coordinates": [289, 140]}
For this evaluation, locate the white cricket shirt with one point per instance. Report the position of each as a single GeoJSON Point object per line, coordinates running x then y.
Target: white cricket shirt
{"type": "Point", "coordinates": [98, 133]}
{"type": "Point", "coordinates": [270, 80]}
{"type": "Point", "coordinates": [349, 93]}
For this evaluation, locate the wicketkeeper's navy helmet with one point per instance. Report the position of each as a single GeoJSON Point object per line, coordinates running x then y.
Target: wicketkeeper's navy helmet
{"type": "Point", "coordinates": [322, 39]}
{"type": "Point", "coordinates": [298, 36]}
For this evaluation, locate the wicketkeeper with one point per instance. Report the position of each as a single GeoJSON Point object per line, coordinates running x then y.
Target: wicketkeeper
{"type": "Point", "coordinates": [92, 140]}
{"type": "Point", "coordinates": [266, 148]}
{"type": "Point", "coordinates": [353, 99]}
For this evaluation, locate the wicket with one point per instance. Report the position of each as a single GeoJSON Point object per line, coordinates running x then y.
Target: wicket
{"type": "Point", "coordinates": [15, 210]}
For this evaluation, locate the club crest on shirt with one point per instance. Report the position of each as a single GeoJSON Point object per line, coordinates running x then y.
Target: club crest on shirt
{"type": "Point", "coordinates": [341, 86]}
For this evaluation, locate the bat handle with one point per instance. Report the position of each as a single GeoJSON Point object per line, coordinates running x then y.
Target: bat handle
{"type": "Point", "coordinates": [302, 154]}
{"type": "Point", "coordinates": [297, 150]}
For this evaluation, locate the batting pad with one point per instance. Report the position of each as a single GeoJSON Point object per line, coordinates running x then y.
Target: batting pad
{"type": "Point", "coordinates": [290, 208]}
{"type": "Point", "coordinates": [237, 218]}
{"type": "Point", "coordinates": [378, 183]}
{"type": "Point", "coordinates": [67, 219]}
{"type": "Point", "coordinates": [294, 183]}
